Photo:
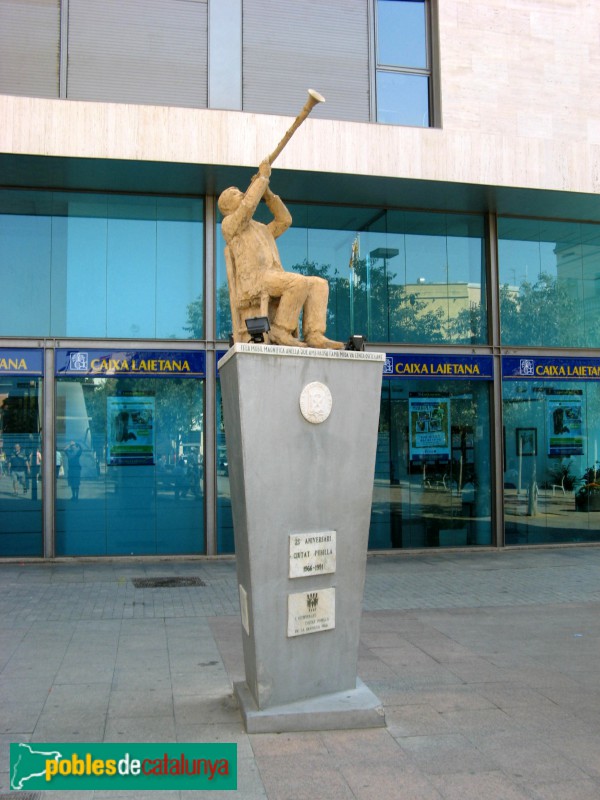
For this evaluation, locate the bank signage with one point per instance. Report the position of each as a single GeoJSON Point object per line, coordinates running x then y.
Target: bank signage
{"type": "Point", "coordinates": [436, 367]}
{"type": "Point", "coordinates": [21, 361]}
{"type": "Point", "coordinates": [130, 363]}
{"type": "Point", "coordinates": [549, 368]}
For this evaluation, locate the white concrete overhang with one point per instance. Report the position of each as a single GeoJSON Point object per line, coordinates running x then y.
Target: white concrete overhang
{"type": "Point", "coordinates": [62, 144]}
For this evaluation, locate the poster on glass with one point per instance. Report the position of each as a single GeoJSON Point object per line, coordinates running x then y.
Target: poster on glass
{"type": "Point", "coordinates": [429, 427]}
{"type": "Point", "coordinates": [565, 422]}
{"type": "Point", "coordinates": [130, 430]}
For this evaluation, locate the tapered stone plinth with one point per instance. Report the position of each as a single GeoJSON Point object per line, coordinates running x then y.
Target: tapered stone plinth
{"type": "Point", "coordinates": [301, 429]}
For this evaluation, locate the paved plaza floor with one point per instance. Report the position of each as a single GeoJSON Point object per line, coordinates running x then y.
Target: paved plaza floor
{"type": "Point", "coordinates": [487, 664]}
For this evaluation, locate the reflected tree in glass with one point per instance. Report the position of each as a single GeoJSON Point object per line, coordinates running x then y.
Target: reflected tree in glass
{"type": "Point", "coordinates": [543, 313]}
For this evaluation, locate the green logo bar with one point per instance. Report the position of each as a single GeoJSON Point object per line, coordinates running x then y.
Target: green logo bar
{"type": "Point", "coordinates": [61, 766]}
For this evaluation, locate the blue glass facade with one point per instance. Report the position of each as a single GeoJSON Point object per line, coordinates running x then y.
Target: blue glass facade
{"type": "Point", "coordinates": [121, 430]}
{"type": "Point", "coordinates": [92, 265]}
{"type": "Point", "coordinates": [407, 277]}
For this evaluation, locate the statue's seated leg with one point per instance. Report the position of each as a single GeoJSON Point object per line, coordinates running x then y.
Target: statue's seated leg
{"type": "Point", "coordinates": [291, 289]}
{"type": "Point", "coordinates": [314, 319]}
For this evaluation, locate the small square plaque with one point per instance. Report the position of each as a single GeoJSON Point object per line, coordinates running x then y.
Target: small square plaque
{"type": "Point", "coordinates": [311, 612]}
{"type": "Point", "coordinates": [312, 553]}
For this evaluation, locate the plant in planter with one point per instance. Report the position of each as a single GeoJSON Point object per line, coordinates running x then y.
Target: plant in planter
{"type": "Point", "coordinates": [587, 497]}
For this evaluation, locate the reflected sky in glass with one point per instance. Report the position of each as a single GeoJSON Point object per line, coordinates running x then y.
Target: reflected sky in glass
{"type": "Point", "coordinates": [99, 265]}
{"type": "Point", "coordinates": [401, 33]}
{"type": "Point", "coordinates": [403, 99]}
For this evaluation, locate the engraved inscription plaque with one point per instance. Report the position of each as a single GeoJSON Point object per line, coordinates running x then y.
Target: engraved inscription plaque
{"type": "Point", "coordinates": [312, 553]}
{"type": "Point", "coordinates": [311, 612]}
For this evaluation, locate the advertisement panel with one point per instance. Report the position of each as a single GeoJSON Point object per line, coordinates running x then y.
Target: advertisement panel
{"type": "Point", "coordinates": [429, 419]}
{"type": "Point", "coordinates": [565, 422]}
{"type": "Point", "coordinates": [130, 429]}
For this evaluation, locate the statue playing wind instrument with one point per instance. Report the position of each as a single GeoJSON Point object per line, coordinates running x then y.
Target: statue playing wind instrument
{"type": "Point", "coordinates": [258, 283]}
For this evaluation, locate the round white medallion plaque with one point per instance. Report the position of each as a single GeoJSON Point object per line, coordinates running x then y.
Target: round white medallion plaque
{"type": "Point", "coordinates": [315, 402]}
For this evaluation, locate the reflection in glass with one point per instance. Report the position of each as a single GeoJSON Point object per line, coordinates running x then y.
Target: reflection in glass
{"type": "Point", "coordinates": [422, 499]}
{"type": "Point", "coordinates": [401, 33]}
{"type": "Point", "coordinates": [225, 541]}
{"type": "Point", "coordinates": [549, 283]}
{"type": "Point", "coordinates": [550, 491]}
{"type": "Point", "coordinates": [414, 277]}
{"type": "Point", "coordinates": [403, 68]}
{"type": "Point", "coordinates": [99, 265]}
{"type": "Point", "coordinates": [20, 466]}
{"type": "Point", "coordinates": [402, 99]}
{"type": "Point", "coordinates": [130, 466]}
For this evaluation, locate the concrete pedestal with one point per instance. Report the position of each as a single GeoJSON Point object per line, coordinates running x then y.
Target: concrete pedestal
{"type": "Point", "coordinates": [301, 428]}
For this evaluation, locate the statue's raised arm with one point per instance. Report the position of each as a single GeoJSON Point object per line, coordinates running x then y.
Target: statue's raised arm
{"type": "Point", "coordinates": [258, 283]}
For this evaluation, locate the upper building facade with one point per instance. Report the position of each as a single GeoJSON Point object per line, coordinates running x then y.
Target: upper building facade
{"type": "Point", "coordinates": [448, 189]}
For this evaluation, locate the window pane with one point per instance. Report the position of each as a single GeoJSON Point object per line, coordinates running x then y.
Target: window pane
{"type": "Point", "coordinates": [413, 277]}
{"type": "Point", "coordinates": [401, 33]}
{"type": "Point", "coordinates": [223, 311]}
{"type": "Point", "coordinates": [425, 279]}
{"type": "Point", "coordinates": [131, 276]}
{"type": "Point", "coordinates": [549, 283]}
{"type": "Point", "coordinates": [100, 265]}
{"type": "Point", "coordinates": [25, 257]}
{"type": "Point", "coordinates": [108, 508]}
{"type": "Point", "coordinates": [179, 269]}
{"type": "Point", "coordinates": [552, 436]}
{"type": "Point", "coordinates": [403, 99]}
{"type": "Point", "coordinates": [225, 538]}
{"type": "Point", "coordinates": [432, 501]}
{"type": "Point", "coordinates": [20, 466]}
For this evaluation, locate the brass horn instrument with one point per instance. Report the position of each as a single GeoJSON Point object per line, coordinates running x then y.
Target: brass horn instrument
{"type": "Point", "coordinates": [313, 98]}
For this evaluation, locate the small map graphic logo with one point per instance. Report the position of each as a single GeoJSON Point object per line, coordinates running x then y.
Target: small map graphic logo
{"type": "Point", "coordinates": [78, 361]}
{"type": "Point", "coordinates": [29, 764]}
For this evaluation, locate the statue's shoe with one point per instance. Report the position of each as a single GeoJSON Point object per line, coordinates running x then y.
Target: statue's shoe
{"type": "Point", "coordinates": [320, 342]}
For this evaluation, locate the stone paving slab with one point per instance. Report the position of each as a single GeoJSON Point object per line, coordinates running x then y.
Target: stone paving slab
{"type": "Point", "coordinates": [486, 662]}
